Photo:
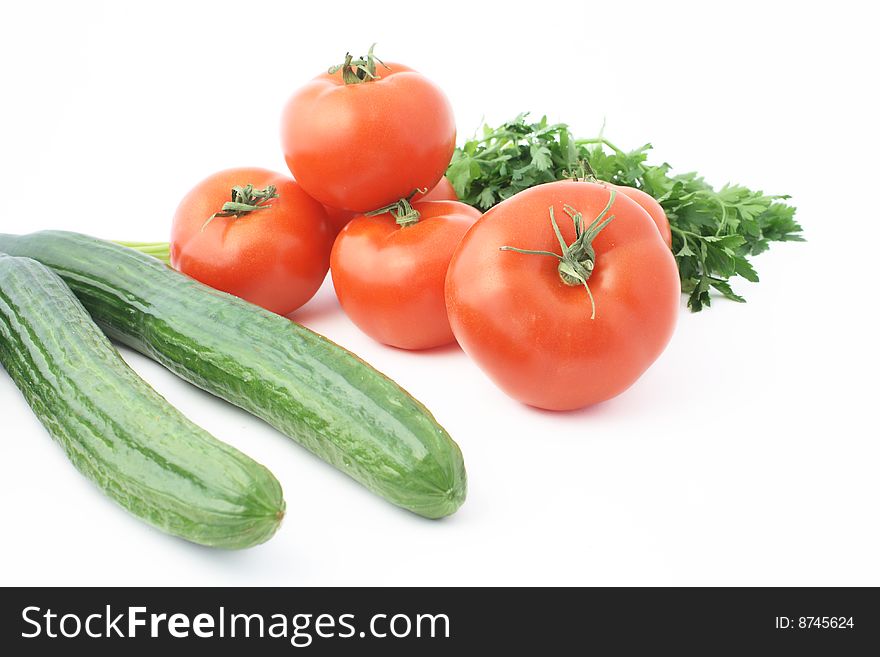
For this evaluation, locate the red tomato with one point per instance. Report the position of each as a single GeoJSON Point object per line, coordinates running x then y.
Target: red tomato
{"type": "Point", "coordinates": [652, 207]}
{"type": "Point", "coordinates": [361, 146]}
{"type": "Point", "coordinates": [275, 257]}
{"type": "Point", "coordinates": [389, 279]}
{"type": "Point", "coordinates": [443, 191]}
{"type": "Point", "coordinates": [337, 219]}
{"type": "Point", "coordinates": [534, 333]}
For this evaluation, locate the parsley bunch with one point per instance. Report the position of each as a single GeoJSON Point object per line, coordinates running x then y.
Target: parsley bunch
{"type": "Point", "coordinates": [714, 233]}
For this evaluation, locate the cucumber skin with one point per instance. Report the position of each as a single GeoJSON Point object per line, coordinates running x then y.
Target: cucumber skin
{"type": "Point", "coordinates": [310, 389]}
{"type": "Point", "coordinates": [118, 431]}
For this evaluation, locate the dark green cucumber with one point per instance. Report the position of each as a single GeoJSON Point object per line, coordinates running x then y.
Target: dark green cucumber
{"type": "Point", "coordinates": [117, 430]}
{"type": "Point", "coordinates": [319, 394]}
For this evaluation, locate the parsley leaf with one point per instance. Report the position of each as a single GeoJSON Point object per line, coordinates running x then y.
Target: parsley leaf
{"type": "Point", "coordinates": [714, 232]}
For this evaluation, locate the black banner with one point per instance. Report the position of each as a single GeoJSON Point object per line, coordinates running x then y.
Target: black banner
{"type": "Point", "coordinates": [421, 621]}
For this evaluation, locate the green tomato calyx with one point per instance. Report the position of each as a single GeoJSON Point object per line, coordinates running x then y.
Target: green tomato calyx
{"type": "Point", "coordinates": [578, 259]}
{"type": "Point", "coordinates": [402, 210]}
{"type": "Point", "coordinates": [360, 70]}
{"type": "Point", "coordinates": [245, 199]}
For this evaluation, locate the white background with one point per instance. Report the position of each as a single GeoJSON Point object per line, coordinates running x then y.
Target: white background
{"type": "Point", "coordinates": [747, 455]}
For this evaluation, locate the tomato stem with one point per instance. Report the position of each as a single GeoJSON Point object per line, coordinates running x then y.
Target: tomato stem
{"type": "Point", "coordinates": [578, 259]}
{"type": "Point", "coordinates": [402, 210]}
{"type": "Point", "coordinates": [245, 199]}
{"type": "Point", "coordinates": [358, 71]}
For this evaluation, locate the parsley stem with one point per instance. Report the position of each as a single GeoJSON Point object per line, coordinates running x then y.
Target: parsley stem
{"type": "Point", "coordinates": [159, 250]}
{"type": "Point", "coordinates": [603, 141]}
{"type": "Point", "coordinates": [681, 231]}
{"type": "Point", "coordinates": [494, 148]}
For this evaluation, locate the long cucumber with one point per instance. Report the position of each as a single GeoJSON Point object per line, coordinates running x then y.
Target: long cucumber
{"type": "Point", "coordinates": [314, 391]}
{"type": "Point", "coordinates": [117, 430]}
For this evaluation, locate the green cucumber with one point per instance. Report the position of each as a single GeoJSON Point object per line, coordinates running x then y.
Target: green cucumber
{"type": "Point", "coordinates": [118, 431]}
{"type": "Point", "coordinates": [309, 388]}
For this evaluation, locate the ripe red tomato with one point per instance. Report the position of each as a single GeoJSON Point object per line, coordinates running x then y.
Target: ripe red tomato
{"type": "Point", "coordinates": [443, 191]}
{"type": "Point", "coordinates": [652, 207]}
{"type": "Point", "coordinates": [538, 336]}
{"type": "Point", "coordinates": [389, 278]}
{"type": "Point", "coordinates": [359, 144]}
{"type": "Point", "coordinates": [337, 219]}
{"type": "Point", "coordinates": [275, 255]}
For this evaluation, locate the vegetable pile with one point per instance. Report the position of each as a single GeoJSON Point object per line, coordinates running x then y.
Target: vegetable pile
{"type": "Point", "coordinates": [564, 292]}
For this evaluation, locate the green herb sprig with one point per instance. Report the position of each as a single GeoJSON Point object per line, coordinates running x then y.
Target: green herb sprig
{"type": "Point", "coordinates": [714, 232]}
